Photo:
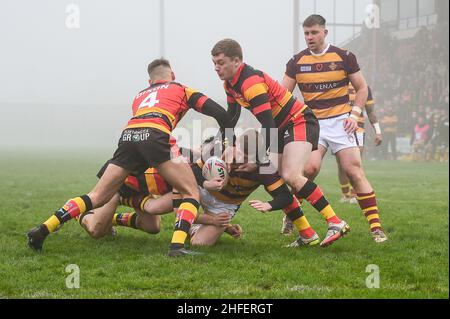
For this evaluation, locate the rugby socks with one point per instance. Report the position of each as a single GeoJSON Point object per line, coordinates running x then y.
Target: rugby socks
{"type": "Point", "coordinates": [72, 209]}
{"type": "Point", "coordinates": [346, 190]}
{"type": "Point", "coordinates": [368, 204]}
{"type": "Point", "coordinates": [186, 214]}
{"type": "Point", "coordinates": [125, 219]}
{"type": "Point", "coordinates": [312, 193]}
{"type": "Point", "coordinates": [176, 200]}
{"type": "Point", "coordinates": [136, 202]}
{"type": "Point", "coordinates": [296, 216]}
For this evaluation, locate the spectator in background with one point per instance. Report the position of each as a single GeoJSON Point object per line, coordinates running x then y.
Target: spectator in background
{"type": "Point", "coordinates": [413, 73]}
{"type": "Point", "coordinates": [389, 123]}
{"type": "Point", "coordinates": [442, 137]}
{"type": "Point", "coordinates": [432, 145]}
{"type": "Point", "coordinates": [420, 138]}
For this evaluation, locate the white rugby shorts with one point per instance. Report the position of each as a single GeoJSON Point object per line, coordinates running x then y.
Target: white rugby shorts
{"type": "Point", "coordinates": [333, 136]}
{"type": "Point", "coordinates": [215, 206]}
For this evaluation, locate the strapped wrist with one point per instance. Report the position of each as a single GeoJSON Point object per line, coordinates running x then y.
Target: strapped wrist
{"type": "Point", "coordinates": [376, 127]}
{"type": "Point", "coordinates": [357, 110]}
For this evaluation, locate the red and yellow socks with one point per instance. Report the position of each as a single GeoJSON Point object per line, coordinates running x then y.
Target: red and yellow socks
{"type": "Point", "coordinates": [186, 214]}
{"type": "Point", "coordinates": [72, 209]}
{"type": "Point", "coordinates": [312, 193]}
{"type": "Point", "coordinates": [296, 216]}
{"type": "Point", "coordinates": [368, 204]}
{"type": "Point", "coordinates": [347, 190]}
{"type": "Point", "coordinates": [125, 219]}
{"type": "Point", "coordinates": [136, 202]}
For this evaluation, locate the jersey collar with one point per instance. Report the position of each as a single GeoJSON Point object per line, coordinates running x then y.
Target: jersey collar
{"type": "Point", "coordinates": [321, 53]}
{"type": "Point", "coordinates": [237, 75]}
{"type": "Point", "coordinates": [159, 82]}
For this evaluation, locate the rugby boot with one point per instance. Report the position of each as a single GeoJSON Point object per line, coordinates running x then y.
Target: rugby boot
{"type": "Point", "coordinates": [335, 231]}
{"type": "Point", "coordinates": [181, 252]}
{"type": "Point", "coordinates": [378, 236]}
{"type": "Point", "coordinates": [36, 237]}
{"type": "Point", "coordinates": [305, 241]}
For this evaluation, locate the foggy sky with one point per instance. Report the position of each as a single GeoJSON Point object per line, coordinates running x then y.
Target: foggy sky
{"type": "Point", "coordinates": [75, 86]}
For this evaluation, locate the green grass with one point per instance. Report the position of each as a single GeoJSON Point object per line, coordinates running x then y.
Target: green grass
{"type": "Point", "coordinates": [413, 199]}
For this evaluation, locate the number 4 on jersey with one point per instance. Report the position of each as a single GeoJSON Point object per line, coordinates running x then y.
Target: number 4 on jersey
{"type": "Point", "coordinates": [149, 101]}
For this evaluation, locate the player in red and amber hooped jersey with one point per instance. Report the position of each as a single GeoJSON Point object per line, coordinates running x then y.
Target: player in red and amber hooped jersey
{"type": "Point", "coordinates": [348, 193]}
{"type": "Point", "coordinates": [323, 73]}
{"type": "Point", "coordinates": [277, 110]}
{"type": "Point", "coordinates": [136, 192]}
{"type": "Point", "coordinates": [145, 143]}
{"type": "Point", "coordinates": [149, 196]}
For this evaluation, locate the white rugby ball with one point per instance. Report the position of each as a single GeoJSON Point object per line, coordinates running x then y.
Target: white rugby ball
{"type": "Point", "coordinates": [215, 167]}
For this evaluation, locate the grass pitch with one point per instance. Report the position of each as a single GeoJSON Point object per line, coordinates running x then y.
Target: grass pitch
{"type": "Point", "coordinates": [412, 197]}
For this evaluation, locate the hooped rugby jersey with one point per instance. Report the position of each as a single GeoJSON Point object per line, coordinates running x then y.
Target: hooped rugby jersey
{"type": "Point", "coordinates": [241, 184]}
{"type": "Point", "coordinates": [258, 92]}
{"type": "Point", "coordinates": [323, 79]}
{"type": "Point", "coordinates": [163, 104]}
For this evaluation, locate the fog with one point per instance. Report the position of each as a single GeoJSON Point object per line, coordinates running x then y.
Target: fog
{"type": "Point", "coordinates": [71, 87]}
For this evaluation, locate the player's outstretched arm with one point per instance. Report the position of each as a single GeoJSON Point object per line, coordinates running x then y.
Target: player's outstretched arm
{"type": "Point", "coordinates": [203, 104]}
{"type": "Point", "coordinates": [282, 197]}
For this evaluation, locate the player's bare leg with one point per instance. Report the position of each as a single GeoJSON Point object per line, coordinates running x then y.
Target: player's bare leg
{"type": "Point", "coordinates": [295, 157]}
{"type": "Point", "coordinates": [350, 159]}
{"type": "Point", "coordinates": [150, 224]}
{"type": "Point", "coordinates": [159, 206]}
{"type": "Point", "coordinates": [98, 222]}
{"type": "Point", "coordinates": [312, 167]}
{"type": "Point", "coordinates": [287, 227]}
{"type": "Point", "coordinates": [101, 194]}
{"type": "Point", "coordinates": [178, 174]}
{"type": "Point", "coordinates": [206, 235]}
{"type": "Point", "coordinates": [348, 193]}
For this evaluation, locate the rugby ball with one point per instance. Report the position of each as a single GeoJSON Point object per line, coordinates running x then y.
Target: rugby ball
{"type": "Point", "coordinates": [215, 167]}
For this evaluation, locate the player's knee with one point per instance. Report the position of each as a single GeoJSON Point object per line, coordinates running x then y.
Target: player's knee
{"type": "Point", "coordinates": [192, 193]}
{"type": "Point", "coordinates": [205, 242]}
{"type": "Point", "coordinates": [149, 224]}
{"type": "Point", "coordinates": [290, 178]}
{"type": "Point", "coordinates": [153, 229]}
{"type": "Point", "coordinates": [151, 206]}
{"type": "Point", "coordinates": [356, 175]}
{"type": "Point", "coordinates": [311, 171]}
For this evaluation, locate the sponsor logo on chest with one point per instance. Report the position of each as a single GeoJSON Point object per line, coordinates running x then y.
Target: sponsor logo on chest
{"type": "Point", "coordinates": [305, 68]}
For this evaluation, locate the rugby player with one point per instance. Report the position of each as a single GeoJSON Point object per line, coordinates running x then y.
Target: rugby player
{"type": "Point", "coordinates": [218, 198]}
{"type": "Point", "coordinates": [348, 193]}
{"type": "Point", "coordinates": [220, 202]}
{"type": "Point", "coordinates": [145, 143]}
{"type": "Point", "coordinates": [277, 110]}
{"type": "Point", "coordinates": [323, 73]}
{"type": "Point", "coordinates": [150, 196]}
